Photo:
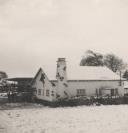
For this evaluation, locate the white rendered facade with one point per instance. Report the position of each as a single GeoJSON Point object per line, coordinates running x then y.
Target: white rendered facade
{"type": "Point", "coordinates": [99, 81]}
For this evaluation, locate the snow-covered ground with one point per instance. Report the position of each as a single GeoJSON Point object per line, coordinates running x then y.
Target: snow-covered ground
{"type": "Point", "coordinates": [84, 119]}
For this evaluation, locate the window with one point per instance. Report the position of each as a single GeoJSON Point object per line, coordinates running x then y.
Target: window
{"type": "Point", "coordinates": [81, 92]}
{"type": "Point", "coordinates": [126, 91]}
{"type": "Point", "coordinates": [47, 92]}
{"type": "Point", "coordinates": [97, 92]}
{"type": "Point", "coordinates": [52, 94]}
{"type": "Point", "coordinates": [43, 92]}
{"type": "Point", "coordinates": [112, 92]}
{"type": "Point", "coordinates": [116, 92]}
{"type": "Point", "coordinates": [39, 91]}
{"type": "Point", "coordinates": [120, 83]}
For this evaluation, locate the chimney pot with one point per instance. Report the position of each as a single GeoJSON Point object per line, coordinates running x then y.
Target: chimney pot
{"type": "Point", "coordinates": [61, 59]}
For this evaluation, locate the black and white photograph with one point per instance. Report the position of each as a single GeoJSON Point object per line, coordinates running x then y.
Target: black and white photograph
{"type": "Point", "coordinates": [63, 66]}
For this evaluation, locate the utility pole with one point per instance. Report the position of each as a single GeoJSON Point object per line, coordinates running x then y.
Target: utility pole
{"type": "Point", "coordinates": [120, 78]}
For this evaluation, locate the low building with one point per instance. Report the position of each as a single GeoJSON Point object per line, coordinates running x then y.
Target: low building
{"type": "Point", "coordinates": [23, 83]}
{"type": "Point", "coordinates": [77, 81]}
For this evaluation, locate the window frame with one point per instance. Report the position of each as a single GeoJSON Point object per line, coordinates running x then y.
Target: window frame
{"type": "Point", "coordinates": [39, 92]}
{"type": "Point", "coordinates": [81, 92]}
{"type": "Point", "coordinates": [47, 93]}
{"type": "Point", "coordinates": [52, 93]}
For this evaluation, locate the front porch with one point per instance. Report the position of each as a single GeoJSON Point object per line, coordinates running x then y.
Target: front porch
{"type": "Point", "coordinates": [107, 92]}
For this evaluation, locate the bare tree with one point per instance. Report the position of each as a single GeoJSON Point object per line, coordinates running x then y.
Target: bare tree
{"type": "Point", "coordinates": [114, 63]}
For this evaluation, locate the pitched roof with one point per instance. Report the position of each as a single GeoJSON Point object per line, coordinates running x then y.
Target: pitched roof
{"type": "Point", "coordinates": [76, 72]}
{"type": "Point", "coordinates": [91, 73]}
{"type": "Point", "coordinates": [86, 73]}
{"type": "Point", "coordinates": [20, 79]}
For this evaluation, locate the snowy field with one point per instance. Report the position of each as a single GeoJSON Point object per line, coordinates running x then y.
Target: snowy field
{"type": "Point", "coordinates": [84, 119]}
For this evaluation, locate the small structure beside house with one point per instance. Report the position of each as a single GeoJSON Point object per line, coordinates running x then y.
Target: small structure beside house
{"type": "Point", "coordinates": [76, 81]}
{"type": "Point", "coordinates": [6, 87]}
{"type": "Point", "coordinates": [23, 83]}
{"type": "Point", "coordinates": [23, 88]}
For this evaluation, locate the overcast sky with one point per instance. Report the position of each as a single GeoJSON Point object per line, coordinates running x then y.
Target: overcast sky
{"type": "Point", "coordinates": [34, 33]}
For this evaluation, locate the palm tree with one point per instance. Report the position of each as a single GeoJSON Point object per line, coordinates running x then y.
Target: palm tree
{"type": "Point", "coordinates": [92, 59]}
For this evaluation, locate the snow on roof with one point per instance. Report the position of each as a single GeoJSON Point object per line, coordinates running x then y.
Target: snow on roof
{"type": "Point", "coordinates": [91, 73]}
{"type": "Point", "coordinates": [75, 72]}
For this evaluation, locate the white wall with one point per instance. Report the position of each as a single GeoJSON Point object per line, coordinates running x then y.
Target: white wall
{"type": "Point", "coordinates": [62, 78]}
{"type": "Point", "coordinates": [47, 86]}
{"type": "Point", "coordinates": [91, 86]}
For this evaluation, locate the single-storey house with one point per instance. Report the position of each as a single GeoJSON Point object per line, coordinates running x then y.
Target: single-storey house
{"type": "Point", "coordinates": [76, 81]}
